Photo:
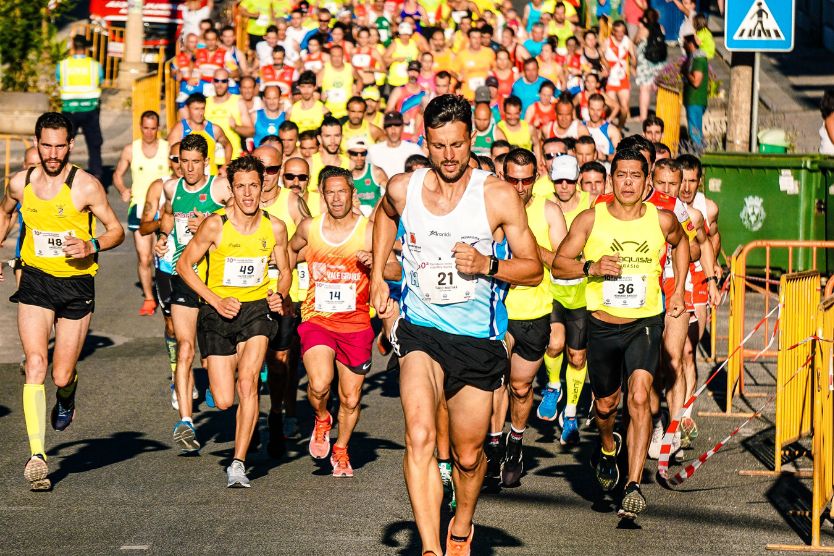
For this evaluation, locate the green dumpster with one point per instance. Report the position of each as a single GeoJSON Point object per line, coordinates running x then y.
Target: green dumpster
{"type": "Point", "coordinates": [763, 197]}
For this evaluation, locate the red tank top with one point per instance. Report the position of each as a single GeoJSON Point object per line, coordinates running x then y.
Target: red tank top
{"type": "Point", "coordinates": [209, 62]}
{"type": "Point", "coordinates": [282, 77]}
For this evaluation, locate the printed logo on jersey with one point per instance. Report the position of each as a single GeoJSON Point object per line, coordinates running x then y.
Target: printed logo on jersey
{"type": "Point", "coordinates": [634, 260]}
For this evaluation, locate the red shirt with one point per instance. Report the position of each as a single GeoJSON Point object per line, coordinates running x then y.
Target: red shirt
{"type": "Point", "coordinates": [209, 62]}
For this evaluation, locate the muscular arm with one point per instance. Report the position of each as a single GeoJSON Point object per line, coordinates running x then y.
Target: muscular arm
{"type": "Point", "coordinates": [566, 263]}
{"type": "Point", "coordinates": [281, 257]}
{"type": "Point", "coordinates": [680, 258]}
{"type": "Point", "coordinates": [7, 206]}
{"type": "Point", "coordinates": [149, 223]}
{"type": "Point", "coordinates": [175, 135]}
{"type": "Point", "coordinates": [205, 236]}
{"type": "Point", "coordinates": [505, 210]}
{"type": "Point", "coordinates": [221, 138]}
{"type": "Point", "coordinates": [246, 128]}
{"type": "Point", "coordinates": [384, 235]}
{"type": "Point", "coordinates": [556, 230]}
{"type": "Point", "coordinates": [96, 199]}
{"type": "Point", "coordinates": [298, 241]}
{"type": "Point", "coordinates": [712, 223]}
{"type": "Point", "coordinates": [380, 176]}
{"type": "Point", "coordinates": [119, 173]}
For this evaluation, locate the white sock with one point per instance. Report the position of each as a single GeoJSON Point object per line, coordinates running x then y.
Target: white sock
{"type": "Point", "coordinates": [570, 411]}
{"type": "Point", "coordinates": [554, 385]}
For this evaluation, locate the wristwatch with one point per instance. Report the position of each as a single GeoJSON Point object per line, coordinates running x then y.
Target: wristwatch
{"type": "Point", "coordinates": [493, 266]}
{"type": "Point", "coordinates": [96, 246]}
{"type": "Point", "coordinates": [586, 268]}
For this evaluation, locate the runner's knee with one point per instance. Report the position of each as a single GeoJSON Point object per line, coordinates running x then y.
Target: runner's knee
{"type": "Point", "coordinates": [606, 407]}
{"type": "Point", "coordinates": [420, 439]}
{"type": "Point", "coordinates": [520, 389]}
{"type": "Point", "coordinates": [577, 358]}
{"type": "Point", "coordinates": [468, 460]}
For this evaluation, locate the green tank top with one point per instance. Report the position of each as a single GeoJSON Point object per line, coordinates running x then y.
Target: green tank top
{"type": "Point", "coordinates": [184, 205]}
{"type": "Point", "coordinates": [367, 189]}
{"type": "Point", "coordinates": [484, 141]}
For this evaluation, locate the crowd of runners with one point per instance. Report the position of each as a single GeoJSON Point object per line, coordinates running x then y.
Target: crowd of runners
{"type": "Point", "coordinates": [477, 204]}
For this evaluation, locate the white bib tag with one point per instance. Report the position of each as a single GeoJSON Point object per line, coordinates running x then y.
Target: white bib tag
{"type": "Point", "coordinates": [263, 20]}
{"type": "Point", "coordinates": [475, 82]}
{"type": "Point", "coordinates": [335, 298]}
{"type": "Point", "coordinates": [336, 95]}
{"type": "Point", "coordinates": [243, 272]}
{"type": "Point", "coordinates": [361, 61]}
{"type": "Point", "coordinates": [303, 276]}
{"type": "Point", "coordinates": [441, 284]}
{"type": "Point", "coordinates": [184, 235]}
{"type": "Point", "coordinates": [50, 245]}
{"type": "Point", "coordinates": [625, 292]}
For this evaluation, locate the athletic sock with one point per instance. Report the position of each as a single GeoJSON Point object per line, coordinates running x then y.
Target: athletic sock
{"type": "Point", "coordinates": [575, 380]}
{"type": "Point", "coordinates": [611, 453]}
{"type": "Point", "coordinates": [494, 439]}
{"type": "Point", "coordinates": [516, 434]}
{"type": "Point", "coordinates": [187, 420]}
{"type": "Point", "coordinates": [34, 413]}
{"type": "Point", "coordinates": [458, 539]}
{"type": "Point", "coordinates": [171, 345]}
{"type": "Point", "coordinates": [67, 393]}
{"type": "Point", "coordinates": [442, 461]}
{"type": "Point", "coordinates": [554, 370]}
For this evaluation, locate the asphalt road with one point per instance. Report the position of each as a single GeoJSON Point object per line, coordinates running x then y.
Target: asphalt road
{"type": "Point", "coordinates": [120, 486]}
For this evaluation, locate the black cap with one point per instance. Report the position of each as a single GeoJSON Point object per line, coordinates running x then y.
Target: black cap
{"type": "Point", "coordinates": [491, 81]}
{"type": "Point", "coordinates": [392, 118]}
{"type": "Point", "coordinates": [414, 65]}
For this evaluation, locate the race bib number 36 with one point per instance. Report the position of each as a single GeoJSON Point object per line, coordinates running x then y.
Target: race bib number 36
{"type": "Point", "coordinates": [243, 272]}
{"type": "Point", "coordinates": [441, 284]}
{"type": "Point", "coordinates": [625, 292]}
{"type": "Point", "coordinates": [335, 298]}
{"type": "Point", "coordinates": [49, 244]}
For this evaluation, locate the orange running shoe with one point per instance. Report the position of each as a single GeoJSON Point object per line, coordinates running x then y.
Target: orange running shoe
{"type": "Point", "coordinates": [320, 440]}
{"type": "Point", "coordinates": [459, 548]}
{"type": "Point", "coordinates": [148, 307]}
{"type": "Point", "coordinates": [341, 462]}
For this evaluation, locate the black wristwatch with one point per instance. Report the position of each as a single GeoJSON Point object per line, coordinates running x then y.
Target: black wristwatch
{"type": "Point", "coordinates": [493, 266]}
{"type": "Point", "coordinates": [586, 268]}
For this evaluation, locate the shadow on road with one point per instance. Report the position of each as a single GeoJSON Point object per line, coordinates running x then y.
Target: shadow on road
{"type": "Point", "coordinates": [4, 411]}
{"type": "Point", "coordinates": [95, 453]}
{"type": "Point", "coordinates": [92, 343]}
{"type": "Point", "coordinates": [402, 535]}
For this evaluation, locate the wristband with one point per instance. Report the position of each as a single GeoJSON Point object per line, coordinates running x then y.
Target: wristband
{"type": "Point", "coordinates": [163, 233]}
{"type": "Point", "coordinates": [96, 246]}
{"type": "Point", "coordinates": [712, 279]}
{"type": "Point", "coordinates": [586, 268]}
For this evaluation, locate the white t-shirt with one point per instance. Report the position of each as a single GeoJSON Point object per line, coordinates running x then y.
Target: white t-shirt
{"type": "Point", "coordinates": [826, 146]}
{"type": "Point", "coordinates": [264, 52]}
{"type": "Point", "coordinates": [296, 35]}
{"type": "Point", "coordinates": [191, 20]}
{"type": "Point", "coordinates": [392, 160]}
{"type": "Point", "coordinates": [292, 52]}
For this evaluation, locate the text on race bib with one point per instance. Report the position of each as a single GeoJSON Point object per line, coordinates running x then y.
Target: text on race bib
{"type": "Point", "coordinates": [441, 284]}
{"type": "Point", "coordinates": [50, 244]}
{"type": "Point", "coordinates": [242, 272]}
{"type": "Point", "coordinates": [624, 292]}
{"type": "Point", "coordinates": [335, 298]}
{"type": "Point", "coordinates": [303, 276]}
{"type": "Point", "coordinates": [184, 235]}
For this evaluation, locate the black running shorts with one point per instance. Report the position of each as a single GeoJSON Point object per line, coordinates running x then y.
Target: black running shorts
{"type": "Point", "coordinates": [71, 298]}
{"type": "Point", "coordinates": [163, 291]}
{"type": "Point", "coordinates": [466, 361]}
{"type": "Point", "coordinates": [575, 322]}
{"type": "Point", "coordinates": [620, 349]}
{"type": "Point", "coordinates": [221, 336]}
{"type": "Point", "coordinates": [287, 330]}
{"type": "Point", "coordinates": [182, 295]}
{"type": "Point", "coordinates": [530, 337]}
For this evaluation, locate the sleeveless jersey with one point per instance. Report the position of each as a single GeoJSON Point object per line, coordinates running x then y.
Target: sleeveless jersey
{"type": "Point", "coordinates": [317, 165]}
{"type": "Point", "coordinates": [571, 293]}
{"type": "Point", "coordinates": [601, 138]}
{"type": "Point", "coordinates": [562, 33]}
{"type": "Point", "coordinates": [338, 84]}
{"type": "Point", "coordinates": [398, 71]}
{"type": "Point", "coordinates": [362, 59]}
{"type": "Point", "coordinates": [238, 267]}
{"type": "Point", "coordinates": [640, 243]}
{"type": "Point", "coordinates": [280, 77]}
{"type": "Point", "coordinates": [339, 291]}
{"type": "Point", "coordinates": [307, 118]}
{"type": "Point", "coordinates": [617, 57]}
{"type": "Point", "coordinates": [314, 62]}
{"type": "Point", "coordinates": [551, 130]}
{"type": "Point", "coordinates": [183, 205]}
{"type": "Point", "coordinates": [280, 209]}
{"type": "Point", "coordinates": [209, 62]}
{"type": "Point", "coordinates": [482, 145]}
{"type": "Point", "coordinates": [364, 133]}
{"type": "Point", "coordinates": [520, 138]}
{"type": "Point", "coordinates": [700, 203]}
{"type": "Point", "coordinates": [532, 302]}
{"type": "Point", "coordinates": [266, 126]}
{"type": "Point", "coordinates": [208, 134]}
{"type": "Point", "coordinates": [144, 170]}
{"type": "Point", "coordinates": [542, 117]}
{"type": "Point", "coordinates": [223, 112]}
{"type": "Point", "coordinates": [367, 189]}
{"type": "Point", "coordinates": [46, 222]}
{"type": "Point", "coordinates": [164, 263]}
{"type": "Point", "coordinates": [434, 294]}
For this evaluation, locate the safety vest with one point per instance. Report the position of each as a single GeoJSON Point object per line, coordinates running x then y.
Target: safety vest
{"type": "Point", "coordinates": [80, 83]}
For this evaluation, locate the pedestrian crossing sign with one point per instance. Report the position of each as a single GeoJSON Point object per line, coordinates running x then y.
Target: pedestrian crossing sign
{"type": "Point", "coordinates": [760, 25]}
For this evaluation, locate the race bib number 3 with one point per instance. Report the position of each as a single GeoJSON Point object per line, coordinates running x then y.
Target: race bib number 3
{"type": "Point", "coordinates": [303, 276]}
{"type": "Point", "coordinates": [335, 298]}
{"type": "Point", "coordinates": [243, 272]}
{"type": "Point", "coordinates": [50, 245]}
{"type": "Point", "coordinates": [441, 284]}
{"type": "Point", "coordinates": [625, 292]}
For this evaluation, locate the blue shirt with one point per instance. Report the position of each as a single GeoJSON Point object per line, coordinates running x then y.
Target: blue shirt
{"type": "Point", "coordinates": [527, 92]}
{"type": "Point", "coordinates": [533, 47]}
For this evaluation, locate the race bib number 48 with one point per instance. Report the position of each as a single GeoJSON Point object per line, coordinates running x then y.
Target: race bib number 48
{"type": "Point", "coordinates": [335, 298]}
{"type": "Point", "coordinates": [441, 284]}
{"type": "Point", "coordinates": [50, 244]}
{"type": "Point", "coordinates": [243, 272]}
{"type": "Point", "coordinates": [625, 292]}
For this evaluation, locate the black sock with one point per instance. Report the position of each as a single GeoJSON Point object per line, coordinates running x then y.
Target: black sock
{"type": "Point", "coordinates": [494, 439]}
{"type": "Point", "coordinates": [449, 461]}
{"type": "Point", "coordinates": [67, 393]}
{"type": "Point", "coordinates": [459, 539]}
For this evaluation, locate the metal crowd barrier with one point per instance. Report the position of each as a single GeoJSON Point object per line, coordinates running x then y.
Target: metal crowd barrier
{"type": "Point", "coordinates": [8, 140]}
{"type": "Point", "coordinates": [146, 95]}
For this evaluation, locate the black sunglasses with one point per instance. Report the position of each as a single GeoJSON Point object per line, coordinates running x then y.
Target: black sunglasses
{"type": "Point", "coordinates": [272, 170]}
{"type": "Point", "coordinates": [523, 181]}
{"type": "Point", "coordinates": [174, 159]}
{"type": "Point", "coordinates": [563, 180]}
{"type": "Point", "coordinates": [358, 153]}
{"type": "Point", "coordinates": [293, 177]}
{"type": "Point", "coordinates": [551, 156]}
{"type": "Point", "coordinates": [221, 80]}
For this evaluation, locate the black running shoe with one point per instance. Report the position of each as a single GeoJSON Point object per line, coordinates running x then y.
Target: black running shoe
{"type": "Point", "coordinates": [513, 464]}
{"type": "Point", "coordinates": [62, 413]}
{"type": "Point", "coordinates": [494, 453]}
{"type": "Point", "coordinates": [276, 447]}
{"type": "Point", "coordinates": [608, 475]}
{"type": "Point", "coordinates": [633, 502]}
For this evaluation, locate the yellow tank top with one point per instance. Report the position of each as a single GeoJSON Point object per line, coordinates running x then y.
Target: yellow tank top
{"type": "Point", "coordinates": [640, 243]}
{"type": "Point", "coordinates": [338, 84]}
{"type": "Point", "coordinates": [220, 114]}
{"type": "Point", "coordinates": [316, 166]}
{"type": "Point", "coordinates": [307, 118]}
{"type": "Point", "coordinates": [532, 302]}
{"type": "Point", "coordinates": [144, 171]}
{"type": "Point", "coordinates": [543, 187]}
{"type": "Point", "coordinates": [46, 222]}
{"type": "Point", "coordinates": [521, 137]}
{"type": "Point", "coordinates": [363, 132]}
{"type": "Point", "coordinates": [301, 272]}
{"type": "Point", "coordinates": [212, 144]}
{"type": "Point", "coordinates": [398, 72]}
{"type": "Point", "coordinates": [571, 293]}
{"type": "Point", "coordinates": [281, 209]}
{"type": "Point", "coordinates": [238, 267]}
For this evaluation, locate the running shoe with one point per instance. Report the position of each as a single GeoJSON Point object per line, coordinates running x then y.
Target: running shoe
{"type": "Point", "coordinates": [689, 427]}
{"type": "Point", "coordinates": [264, 373]}
{"type": "Point", "coordinates": [62, 413]}
{"type": "Point", "coordinates": [291, 427]}
{"type": "Point", "coordinates": [570, 432]}
{"type": "Point", "coordinates": [236, 475]}
{"type": "Point", "coordinates": [459, 548]}
{"type": "Point", "coordinates": [448, 486]}
{"type": "Point", "coordinates": [194, 393]}
{"type": "Point", "coordinates": [276, 448]}
{"type": "Point", "coordinates": [383, 345]}
{"type": "Point", "coordinates": [512, 465]}
{"type": "Point", "coordinates": [494, 453]}
{"type": "Point", "coordinates": [210, 399]}
{"type": "Point", "coordinates": [148, 308]}
{"type": "Point", "coordinates": [36, 472]}
{"type": "Point", "coordinates": [657, 439]}
{"type": "Point", "coordinates": [633, 502]}
{"type": "Point", "coordinates": [185, 436]}
{"type": "Point", "coordinates": [320, 439]}
{"type": "Point", "coordinates": [548, 407]}
{"type": "Point", "coordinates": [341, 462]}
{"type": "Point", "coordinates": [607, 472]}
{"type": "Point", "coordinates": [174, 402]}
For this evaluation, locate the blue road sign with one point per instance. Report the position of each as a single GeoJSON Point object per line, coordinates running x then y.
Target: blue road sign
{"type": "Point", "coordinates": [760, 25]}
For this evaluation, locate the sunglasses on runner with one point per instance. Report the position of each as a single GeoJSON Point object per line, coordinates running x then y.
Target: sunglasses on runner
{"type": "Point", "coordinates": [523, 181]}
{"type": "Point", "coordinates": [174, 159]}
{"type": "Point", "coordinates": [272, 170]}
{"type": "Point", "coordinates": [551, 156]}
{"type": "Point", "coordinates": [570, 182]}
{"type": "Point", "coordinates": [221, 80]}
{"type": "Point", "coordinates": [357, 153]}
{"type": "Point", "coordinates": [293, 177]}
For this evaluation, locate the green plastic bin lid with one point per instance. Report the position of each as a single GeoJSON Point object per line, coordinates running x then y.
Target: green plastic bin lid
{"type": "Point", "coordinates": [773, 137]}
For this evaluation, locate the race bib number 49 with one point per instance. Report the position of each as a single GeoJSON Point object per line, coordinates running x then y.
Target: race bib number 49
{"type": "Point", "coordinates": [335, 298]}
{"type": "Point", "coordinates": [243, 272]}
{"type": "Point", "coordinates": [625, 292]}
{"type": "Point", "coordinates": [50, 244]}
{"type": "Point", "coordinates": [441, 284]}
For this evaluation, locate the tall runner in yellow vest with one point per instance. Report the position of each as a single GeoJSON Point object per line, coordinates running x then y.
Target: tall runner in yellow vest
{"type": "Point", "coordinates": [197, 123]}
{"type": "Point", "coordinates": [288, 206]}
{"type": "Point", "coordinates": [329, 153]}
{"type": "Point", "coordinates": [400, 52]}
{"type": "Point", "coordinates": [58, 203]}
{"type": "Point", "coordinates": [308, 112]}
{"type": "Point", "coordinates": [339, 81]}
{"type": "Point", "coordinates": [79, 78]}
{"type": "Point", "coordinates": [235, 320]}
{"type": "Point", "coordinates": [528, 328]}
{"type": "Point", "coordinates": [147, 158]}
{"type": "Point", "coordinates": [229, 112]}
{"type": "Point", "coordinates": [622, 242]}
{"type": "Point", "coordinates": [517, 132]}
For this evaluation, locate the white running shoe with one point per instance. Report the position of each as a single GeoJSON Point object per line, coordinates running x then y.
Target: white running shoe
{"type": "Point", "coordinates": [174, 403]}
{"type": "Point", "coordinates": [194, 393]}
{"type": "Point", "coordinates": [657, 439]}
{"type": "Point", "coordinates": [236, 475]}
